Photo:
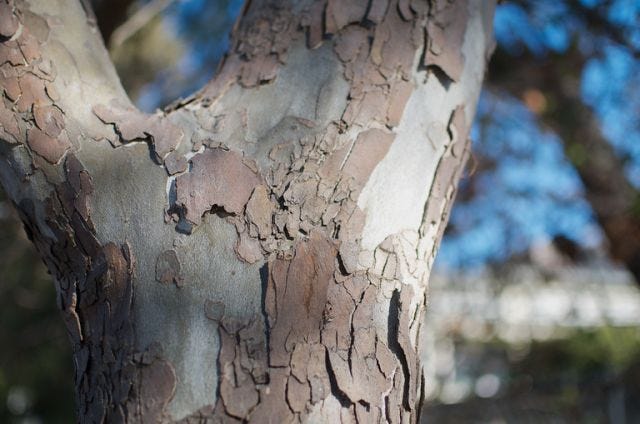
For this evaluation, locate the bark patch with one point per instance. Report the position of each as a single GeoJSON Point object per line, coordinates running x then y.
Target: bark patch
{"type": "Point", "coordinates": [168, 268]}
{"type": "Point", "coordinates": [296, 296]}
{"type": "Point", "coordinates": [131, 124]}
{"type": "Point", "coordinates": [217, 177]}
{"type": "Point", "coordinates": [8, 21]}
{"type": "Point", "coordinates": [445, 36]}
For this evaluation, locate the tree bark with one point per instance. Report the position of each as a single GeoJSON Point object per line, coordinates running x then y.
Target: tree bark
{"type": "Point", "coordinates": [260, 251]}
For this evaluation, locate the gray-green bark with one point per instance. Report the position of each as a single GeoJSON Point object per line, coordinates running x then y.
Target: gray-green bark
{"type": "Point", "coordinates": [259, 252]}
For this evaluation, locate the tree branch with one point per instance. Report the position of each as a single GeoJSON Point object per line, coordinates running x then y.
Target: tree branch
{"type": "Point", "coordinates": [110, 14]}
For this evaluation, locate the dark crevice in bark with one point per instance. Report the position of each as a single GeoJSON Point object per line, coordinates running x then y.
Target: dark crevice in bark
{"type": "Point", "coordinates": [387, 411]}
{"type": "Point", "coordinates": [443, 78]}
{"type": "Point", "coordinates": [220, 212]}
{"type": "Point", "coordinates": [341, 266]}
{"type": "Point", "coordinates": [421, 398]}
{"type": "Point", "coordinates": [394, 345]}
{"type": "Point", "coordinates": [344, 400]}
{"type": "Point", "coordinates": [264, 282]}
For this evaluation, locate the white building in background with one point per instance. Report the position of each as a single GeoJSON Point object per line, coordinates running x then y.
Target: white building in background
{"type": "Point", "coordinates": [516, 309]}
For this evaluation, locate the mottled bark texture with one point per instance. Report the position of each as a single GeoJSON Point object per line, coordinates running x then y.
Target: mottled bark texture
{"type": "Point", "coordinates": [258, 252]}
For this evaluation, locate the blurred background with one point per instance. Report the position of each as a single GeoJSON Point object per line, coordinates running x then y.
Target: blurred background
{"type": "Point", "coordinates": [534, 307]}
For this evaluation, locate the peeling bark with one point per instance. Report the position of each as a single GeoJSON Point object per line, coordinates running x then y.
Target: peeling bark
{"type": "Point", "coordinates": [255, 274]}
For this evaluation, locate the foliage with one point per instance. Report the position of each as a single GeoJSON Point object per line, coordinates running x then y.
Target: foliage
{"type": "Point", "coordinates": [36, 373]}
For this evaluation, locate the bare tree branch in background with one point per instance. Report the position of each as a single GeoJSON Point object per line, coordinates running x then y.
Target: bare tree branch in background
{"type": "Point", "coordinates": [110, 14]}
{"type": "Point", "coordinates": [137, 21]}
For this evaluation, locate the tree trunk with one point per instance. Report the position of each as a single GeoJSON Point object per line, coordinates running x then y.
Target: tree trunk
{"type": "Point", "coordinates": [260, 251]}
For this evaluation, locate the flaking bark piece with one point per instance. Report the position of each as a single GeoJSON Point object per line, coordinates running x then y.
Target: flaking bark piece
{"type": "Point", "coordinates": [214, 310]}
{"type": "Point", "coordinates": [81, 187]}
{"type": "Point", "coordinates": [335, 334]}
{"type": "Point", "coordinates": [10, 53]}
{"type": "Point", "coordinates": [259, 71]}
{"type": "Point", "coordinates": [168, 268]}
{"type": "Point", "coordinates": [315, 32]}
{"type": "Point", "coordinates": [339, 14]}
{"type": "Point", "coordinates": [29, 46]}
{"type": "Point", "coordinates": [404, 10]}
{"type": "Point", "coordinates": [386, 361]}
{"type": "Point", "coordinates": [350, 42]}
{"type": "Point", "coordinates": [365, 382]}
{"type": "Point", "coordinates": [377, 10]}
{"type": "Point", "coordinates": [445, 36]}
{"type": "Point", "coordinates": [349, 251]}
{"type": "Point", "coordinates": [259, 211]}
{"type": "Point", "coordinates": [132, 124]}
{"type": "Point", "coordinates": [129, 123]}
{"type": "Point", "coordinates": [248, 248]}
{"type": "Point", "coordinates": [449, 165]}
{"type": "Point", "coordinates": [408, 353]}
{"type": "Point", "coordinates": [175, 163]}
{"type": "Point", "coordinates": [299, 361]}
{"type": "Point", "coordinates": [459, 131]}
{"type": "Point", "coordinates": [273, 402]}
{"type": "Point", "coordinates": [9, 123]}
{"type": "Point", "coordinates": [32, 92]}
{"type": "Point", "coordinates": [49, 119]}
{"type": "Point", "coordinates": [217, 177]}
{"type": "Point", "coordinates": [165, 136]}
{"type": "Point", "coordinates": [237, 391]}
{"type": "Point", "coordinates": [369, 149]}
{"type": "Point", "coordinates": [297, 394]}
{"type": "Point", "coordinates": [11, 86]}
{"type": "Point", "coordinates": [297, 294]}
{"type": "Point", "coordinates": [157, 386]}
{"type": "Point", "coordinates": [392, 50]}
{"type": "Point", "coordinates": [49, 148]}
{"type": "Point", "coordinates": [8, 21]}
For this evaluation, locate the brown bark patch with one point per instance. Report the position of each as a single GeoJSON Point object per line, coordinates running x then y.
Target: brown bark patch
{"type": "Point", "coordinates": [445, 36]}
{"type": "Point", "coordinates": [131, 124]}
{"type": "Point", "coordinates": [157, 385]}
{"type": "Point", "coordinates": [248, 248]}
{"type": "Point", "coordinates": [237, 389]}
{"type": "Point", "coordinates": [8, 21]}
{"type": "Point", "coordinates": [50, 148]}
{"type": "Point", "coordinates": [377, 10]}
{"type": "Point", "coordinates": [24, 75]}
{"type": "Point", "coordinates": [259, 213]}
{"type": "Point", "coordinates": [175, 163]}
{"type": "Point", "coordinates": [49, 119]}
{"type": "Point", "coordinates": [8, 124]}
{"type": "Point", "coordinates": [339, 14]}
{"type": "Point", "coordinates": [296, 296]}
{"type": "Point", "coordinates": [217, 177]}
{"type": "Point", "coordinates": [168, 268]}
